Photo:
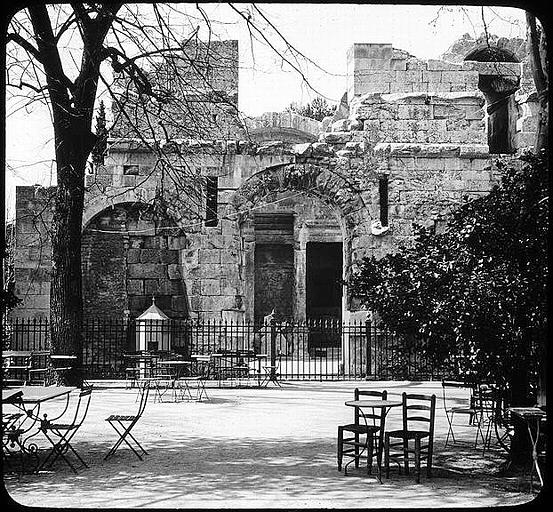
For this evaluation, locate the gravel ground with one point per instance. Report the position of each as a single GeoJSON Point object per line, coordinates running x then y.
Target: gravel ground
{"type": "Point", "coordinates": [257, 448]}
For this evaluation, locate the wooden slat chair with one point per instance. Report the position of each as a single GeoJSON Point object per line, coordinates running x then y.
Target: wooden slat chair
{"type": "Point", "coordinates": [61, 434]}
{"type": "Point", "coordinates": [369, 425]}
{"type": "Point", "coordinates": [418, 413]}
{"type": "Point", "coordinates": [123, 424]}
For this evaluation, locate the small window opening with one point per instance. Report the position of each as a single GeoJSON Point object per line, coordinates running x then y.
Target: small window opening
{"type": "Point", "coordinates": [212, 185]}
{"type": "Point", "coordinates": [383, 195]}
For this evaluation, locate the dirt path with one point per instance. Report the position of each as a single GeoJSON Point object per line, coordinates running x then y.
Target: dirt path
{"type": "Point", "coordinates": [256, 448]}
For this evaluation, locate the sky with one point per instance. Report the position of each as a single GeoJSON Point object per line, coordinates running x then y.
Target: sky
{"type": "Point", "coordinates": [322, 32]}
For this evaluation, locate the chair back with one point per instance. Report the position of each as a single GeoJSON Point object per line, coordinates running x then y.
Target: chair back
{"type": "Point", "coordinates": [487, 399]}
{"type": "Point", "coordinates": [144, 391]}
{"type": "Point", "coordinates": [450, 385]}
{"type": "Point", "coordinates": [419, 412]}
{"type": "Point", "coordinates": [39, 367]}
{"type": "Point", "coordinates": [374, 416]}
{"type": "Point", "coordinates": [81, 408]}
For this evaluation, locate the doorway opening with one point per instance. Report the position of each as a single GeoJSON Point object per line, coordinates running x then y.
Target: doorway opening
{"type": "Point", "coordinates": [324, 294]}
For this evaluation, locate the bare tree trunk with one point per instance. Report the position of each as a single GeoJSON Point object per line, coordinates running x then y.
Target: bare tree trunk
{"type": "Point", "coordinates": [66, 305]}
{"type": "Point", "coordinates": [72, 107]}
{"type": "Point", "coordinates": [541, 80]}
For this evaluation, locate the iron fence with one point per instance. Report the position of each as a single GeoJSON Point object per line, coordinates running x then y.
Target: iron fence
{"type": "Point", "coordinates": [322, 350]}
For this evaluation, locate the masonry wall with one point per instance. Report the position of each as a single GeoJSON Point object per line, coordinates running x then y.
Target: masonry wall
{"type": "Point", "coordinates": [420, 124]}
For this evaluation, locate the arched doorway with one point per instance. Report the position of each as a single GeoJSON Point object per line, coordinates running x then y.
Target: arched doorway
{"type": "Point", "coordinates": [297, 222]}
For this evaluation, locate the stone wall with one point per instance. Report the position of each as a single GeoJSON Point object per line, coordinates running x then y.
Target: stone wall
{"type": "Point", "coordinates": [420, 125]}
{"type": "Point", "coordinates": [32, 259]}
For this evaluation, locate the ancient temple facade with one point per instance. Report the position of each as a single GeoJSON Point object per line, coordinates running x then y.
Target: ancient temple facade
{"type": "Point", "coordinates": [276, 214]}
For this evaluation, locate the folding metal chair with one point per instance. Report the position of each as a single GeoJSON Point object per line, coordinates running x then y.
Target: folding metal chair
{"type": "Point", "coordinates": [467, 408]}
{"type": "Point", "coordinates": [123, 424]}
{"type": "Point", "coordinates": [60, 435]}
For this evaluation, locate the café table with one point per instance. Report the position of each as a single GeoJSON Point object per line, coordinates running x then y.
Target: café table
{"type": "Point", "coordinates": [29, 400]}
{"type": "Point", "coordinates": [176, 367]}
{"type": "Point", "coordinates": [386, 405]}
{"type": "Point", "coordinates": [532, 417]}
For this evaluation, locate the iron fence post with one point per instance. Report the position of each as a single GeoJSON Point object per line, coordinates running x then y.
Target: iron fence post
{"type": "Point", "coordinates": [273, 349]}
{"type": "Point", "coordinates": [369, 355]}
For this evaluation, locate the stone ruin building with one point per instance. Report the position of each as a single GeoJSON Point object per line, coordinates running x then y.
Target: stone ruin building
{"type": "Point", "coordinates": [274, 213]}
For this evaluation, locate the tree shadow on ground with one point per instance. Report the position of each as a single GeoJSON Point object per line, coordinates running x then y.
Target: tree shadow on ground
{"type": "Point", "coordinates": [278, 471]}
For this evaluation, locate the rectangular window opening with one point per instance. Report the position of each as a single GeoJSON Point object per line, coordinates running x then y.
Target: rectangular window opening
{"type": "Point", "coordinates": [383, 195]}
{"type": "Point", "coordinates": [212, 185]}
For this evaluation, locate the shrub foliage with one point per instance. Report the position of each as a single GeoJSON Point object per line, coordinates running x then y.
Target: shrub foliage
{"type": "Point", "coordinates": [476, 292]}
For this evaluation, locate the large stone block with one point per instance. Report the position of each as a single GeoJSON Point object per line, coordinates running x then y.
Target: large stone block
{"type": "Point", "coordinates": [209, 256]}
{"type": "Point", "coordinates": [151, 287]}
{"type": "Point", "coordinates": [169, 256]}
{"type": "Point", "coordinates": [211, 287]}
{"type": "Point", "coordinates": [135, 286]}
{"type": "Point", "coordinates": [146, 271]}
{"type": "Point", "coordinates": [149, 255]}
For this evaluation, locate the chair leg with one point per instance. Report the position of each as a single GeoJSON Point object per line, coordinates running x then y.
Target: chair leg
{"type": "Point", "coordinates": [429, 458]}
{"type": "Point", "coordinates": [370, 447]}
{"type": "Point", "coordinates": [450, 429]}
{"type": "Point", "coordinates": [387, 455]}
{"type": "Point", "coordinates": [124, 432]}
{"type": "Point", "coordinates": [356, 451]}
{"type": "Point", "coordinates": [417, 459]}
{"type": "Point", "coordinates": [406, 455]}
{"type": "Point", "coordinates": [340, 448]}
{"type": "Point", "coordinates": [59, 448]}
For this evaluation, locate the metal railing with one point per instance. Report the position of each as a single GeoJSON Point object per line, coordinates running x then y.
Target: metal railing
{"type": "Point", "coordinates": [322, 350]}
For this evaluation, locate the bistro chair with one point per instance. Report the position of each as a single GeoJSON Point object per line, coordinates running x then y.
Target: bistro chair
{"type": "Point", "coordinates": [454, 408]}
{"type": "Point", "coordinates": [494, 417]}
{"type": "Point", "coordinates": [418, 414]}
{"type": "Point", "coordinates": [369, 425]}
{"type": "Point", "coordinates": [39, 371]}
{"type": "Point", "coordinates": [15, 367]}
{"type": "Point", "coordinates": [272, 372]}
{"type": "Point", "coordinates": [123, 424]}
{"type": "Point", "coordinates": [61, 434]}
{"type": "Point", "coordinates": [11, 433]}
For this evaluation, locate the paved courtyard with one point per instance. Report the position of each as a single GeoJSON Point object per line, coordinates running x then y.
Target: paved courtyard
{"type": "Point", "coordinates": [257, 448]}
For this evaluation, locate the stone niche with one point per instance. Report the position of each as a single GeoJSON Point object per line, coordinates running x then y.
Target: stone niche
{"type": "Point", "coordinates": [128, 257]}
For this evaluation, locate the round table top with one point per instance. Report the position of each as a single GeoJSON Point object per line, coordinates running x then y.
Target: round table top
{"type": "Point", "coordinates": [373, 403]}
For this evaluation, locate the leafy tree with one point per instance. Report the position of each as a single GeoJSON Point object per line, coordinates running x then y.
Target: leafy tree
{"type": "Point", "coordinates": [476, 292]}
{"type": "Point", "coordinates": [317, 109]}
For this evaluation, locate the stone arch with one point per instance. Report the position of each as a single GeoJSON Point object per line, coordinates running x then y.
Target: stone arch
{"type": "Point", "coordinates": [322, 182]}
{"type": "Point", "coordinates": [130, 253]}
{"type": "Point", "coordinates": [491, 53]}
{"type": "Point", "coordinates": [498, 82]}
{"type": "Point", "coordinates": [317, 181]}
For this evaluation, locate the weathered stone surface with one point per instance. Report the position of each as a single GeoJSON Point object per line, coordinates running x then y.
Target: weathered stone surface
{"type": "Point", "coordinates": [321, 149]}
{"type": "Point", "coordinates": [421, 123]}
{"type": "Point", "coordinates": [303, 150]}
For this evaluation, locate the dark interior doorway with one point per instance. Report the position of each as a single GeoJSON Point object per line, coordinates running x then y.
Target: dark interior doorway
{"type": "Point", "coordinates": [324, 281]}
{"type": "Point", "coordinates": [324, 295]}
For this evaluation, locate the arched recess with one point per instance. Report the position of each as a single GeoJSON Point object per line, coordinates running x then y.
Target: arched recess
{"type": "Point", "coordinates": [498, 84]}
{"type": "Point", "coordinates": [287, 188]}
{"type": "Point", "coordinates": [130, 254]}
